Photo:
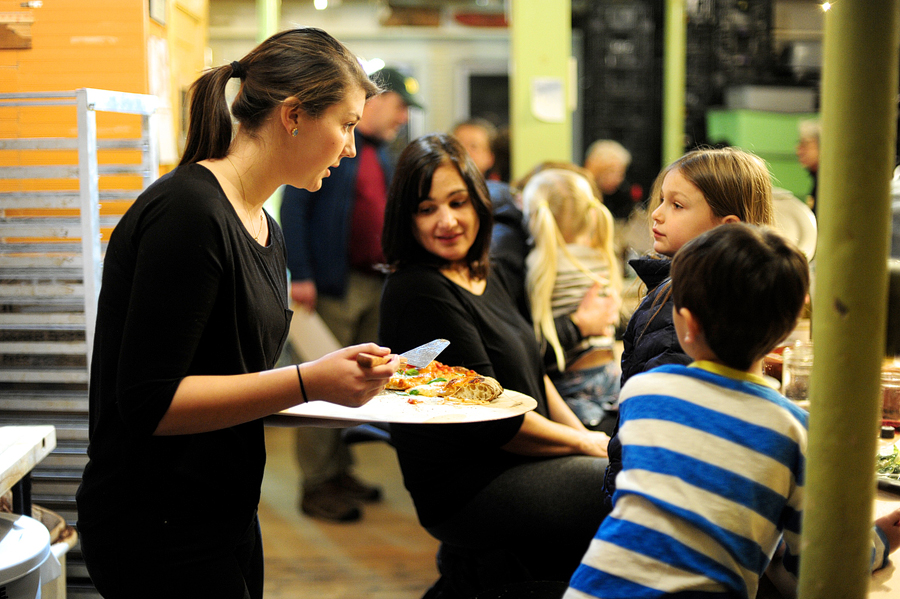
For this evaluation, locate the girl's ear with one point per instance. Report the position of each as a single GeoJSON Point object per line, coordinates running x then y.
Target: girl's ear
{"type": "Point", "coordinates": [731, 218]}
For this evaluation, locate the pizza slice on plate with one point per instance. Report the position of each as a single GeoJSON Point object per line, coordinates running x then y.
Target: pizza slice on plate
{"type": "Point", "coordinates": [448, 383]}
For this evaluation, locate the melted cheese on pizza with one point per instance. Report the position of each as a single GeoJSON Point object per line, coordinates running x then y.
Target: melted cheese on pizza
{"type": "Point", "coordinates": [408, 378]}
{"type": "Point", "coordinates": [445, 382]}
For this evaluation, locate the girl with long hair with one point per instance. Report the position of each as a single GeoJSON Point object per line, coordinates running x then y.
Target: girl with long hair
{"type": "Point", "coordinates": [572, 254]}
{"type": "Point", "coordinates": [701, 190]}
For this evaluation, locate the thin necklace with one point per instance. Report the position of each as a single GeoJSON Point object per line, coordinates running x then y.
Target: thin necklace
{"type": "Point", "coordinates": [244, 201]}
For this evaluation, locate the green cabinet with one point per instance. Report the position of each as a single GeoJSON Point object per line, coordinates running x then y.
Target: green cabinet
{"type": "Point", "coordinates": [770, 135]}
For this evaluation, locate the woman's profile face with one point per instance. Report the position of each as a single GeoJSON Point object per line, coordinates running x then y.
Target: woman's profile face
{"type": "Point", "coordinates": [446, 223]}
{"type": "Point", "coordinates": [322, 142]}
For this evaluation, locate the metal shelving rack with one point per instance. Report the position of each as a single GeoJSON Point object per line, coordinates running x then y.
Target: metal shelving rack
{"type": "Point", "coordinates": [50, 266]}
{"type": "Point", "coordinates": [728, 43]}
{"type": "Point", "coordinates": [623, 80]}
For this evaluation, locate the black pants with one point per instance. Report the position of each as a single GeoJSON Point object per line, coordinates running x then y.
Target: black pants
{"type": "Point", "coordinates": [533, 522]}
{"type": "Point", "coordinates": [136, 569]}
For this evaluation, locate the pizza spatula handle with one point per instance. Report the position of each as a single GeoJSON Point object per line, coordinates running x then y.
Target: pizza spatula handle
{"type": "Point", "coordinates": [368, 360]}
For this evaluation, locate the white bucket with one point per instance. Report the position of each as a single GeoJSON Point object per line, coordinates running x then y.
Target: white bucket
{"type": "Point", "coordinates": [25, 557]}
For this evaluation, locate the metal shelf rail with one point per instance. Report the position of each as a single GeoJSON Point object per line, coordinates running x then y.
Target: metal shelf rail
{"type": "Point", "coordinates": [51, 252]}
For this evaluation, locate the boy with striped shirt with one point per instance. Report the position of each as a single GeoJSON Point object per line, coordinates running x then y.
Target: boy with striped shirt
{"type": "Point", "coordinates": [713, 458]}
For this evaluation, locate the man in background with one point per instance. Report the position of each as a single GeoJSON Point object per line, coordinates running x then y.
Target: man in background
{"type": "Point", "coordinates": [608, 161]}
{"type": "Point", "coordinates": [477, 136]}
{"type": "Point", "coordinates": [333, 239]}
{"type": "Point", "coordinates": [808, 155]}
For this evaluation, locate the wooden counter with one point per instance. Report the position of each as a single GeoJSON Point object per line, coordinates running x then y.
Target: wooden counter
{"type": "Point", "coordinates": [21, 449]}
{"type": "Point", "coordinates": [886, 582]}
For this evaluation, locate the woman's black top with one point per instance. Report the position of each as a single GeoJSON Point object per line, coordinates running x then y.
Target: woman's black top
{"type": "Point", "coordinates": [186, 291]}
{"type": "Point", "coordinates": [445, 465]}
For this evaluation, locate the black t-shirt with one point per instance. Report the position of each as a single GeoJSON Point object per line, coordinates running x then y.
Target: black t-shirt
{"type": "Point", "coordinates": [186, 291]}
{"type": "Point", "coordinates": [445, 465]}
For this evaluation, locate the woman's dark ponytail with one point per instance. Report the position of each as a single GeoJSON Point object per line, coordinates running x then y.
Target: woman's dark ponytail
{"type": "Point", "coordinates": [305, 64]}
{"type": "Point", "coordinates": [209, 127]}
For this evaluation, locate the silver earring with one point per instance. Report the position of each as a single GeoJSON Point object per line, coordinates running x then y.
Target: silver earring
{"type": "Point", "coordinates": [294, 132]}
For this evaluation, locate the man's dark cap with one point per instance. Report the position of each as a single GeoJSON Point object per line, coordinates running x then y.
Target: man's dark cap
{"type": "Point", "coordinates": [393, 80]}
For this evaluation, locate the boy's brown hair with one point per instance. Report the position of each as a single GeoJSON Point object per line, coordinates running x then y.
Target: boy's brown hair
{"type": "Point", "coordinates": [745, 285]}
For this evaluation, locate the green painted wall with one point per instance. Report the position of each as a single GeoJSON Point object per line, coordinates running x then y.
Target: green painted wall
{"type": "Point", "coordinates": [540, 83]}
{"type": "Point", "coordinates": [770, 135]}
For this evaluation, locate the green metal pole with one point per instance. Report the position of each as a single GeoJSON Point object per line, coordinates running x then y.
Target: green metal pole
{"type": "Point", "coordinates": [540, 83]}
{"type": "Point", "coordinates": [268, 13]}
{"type": "Point", "coordinates": [674, 66]}
{"type": "Point", "coordinates": [859, 88]}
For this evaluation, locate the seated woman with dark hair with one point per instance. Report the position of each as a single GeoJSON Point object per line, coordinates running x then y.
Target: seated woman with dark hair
{"type": "Point", "coordinates": [519, 496]}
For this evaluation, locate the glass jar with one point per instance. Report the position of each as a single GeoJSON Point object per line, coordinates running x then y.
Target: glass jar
{"type": "Point", "coordinates": [773, 363]}
{"type": "Point", "coordinates": [797, 369]}
{"type": "Point", "coordinates": [890, 394]}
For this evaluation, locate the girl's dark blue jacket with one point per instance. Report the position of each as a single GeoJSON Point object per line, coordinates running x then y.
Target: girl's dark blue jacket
{"type": "Point", "coordinates": [649, 341]}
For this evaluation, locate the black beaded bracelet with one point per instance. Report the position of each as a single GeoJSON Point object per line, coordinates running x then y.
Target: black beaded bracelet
{"type": "Point", "coordinates": [302, 386]}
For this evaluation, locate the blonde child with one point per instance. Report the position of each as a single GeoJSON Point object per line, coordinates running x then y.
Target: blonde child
{"type": "Point", "coordinates": [699, 191]}
{"type": "Point", "coordinates": [573, 253]}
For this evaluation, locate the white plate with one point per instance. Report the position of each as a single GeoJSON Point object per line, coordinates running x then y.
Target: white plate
{"type": "Point", "coordinates": [391, 406]}
{"type": "Point", "coordinates": [795, 220]}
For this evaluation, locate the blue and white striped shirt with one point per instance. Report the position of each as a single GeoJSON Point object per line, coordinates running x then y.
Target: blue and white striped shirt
{"type": "Point", "coordinates": [712, 479]}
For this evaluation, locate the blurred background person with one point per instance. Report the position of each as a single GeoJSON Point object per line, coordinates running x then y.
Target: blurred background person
{"type": "Point", "coordinates": [477, 136]}
{"type": "Point", "coordinates": [895, 212]}
{"type": "Point", "coordinates": [333, 239]}
{"type": "Point", "coordinates": [608, 162]}
{"type": "Point", "coordinates": [573, 255]}
{"type": "Point", "coordinates": [808, 155]}
{"type": "Point", "coordinates": [511, 241]}
{"type": "Point", "coordinates": [502, 159]}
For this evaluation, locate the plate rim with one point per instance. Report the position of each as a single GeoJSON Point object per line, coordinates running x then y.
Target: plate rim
{"type": "Point", "coordinates": [344, 413]}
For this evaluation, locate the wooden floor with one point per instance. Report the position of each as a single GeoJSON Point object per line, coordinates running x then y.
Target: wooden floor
{"type": "Point", "coordinates": [386, 555]}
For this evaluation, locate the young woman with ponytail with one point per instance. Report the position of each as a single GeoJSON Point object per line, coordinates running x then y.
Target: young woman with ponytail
{"type": "Point", "coordinates": [193, 314]}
